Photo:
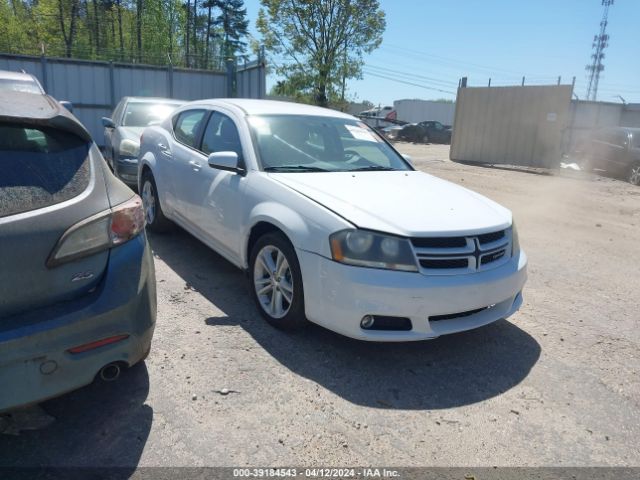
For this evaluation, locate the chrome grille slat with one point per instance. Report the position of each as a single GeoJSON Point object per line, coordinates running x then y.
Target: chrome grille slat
{"type": "Point", "coordinates": [447, 255]}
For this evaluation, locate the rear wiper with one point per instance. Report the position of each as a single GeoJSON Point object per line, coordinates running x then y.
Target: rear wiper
{"type": "Point", "coordinates": [371, 168]}
{"type": "Point", "coordinates": [294, 168]}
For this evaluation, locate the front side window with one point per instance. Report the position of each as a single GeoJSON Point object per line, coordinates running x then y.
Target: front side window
{"type": "Point", "coordinates": [221, 135]}
{"type": "Point", "coordinates": [186, 126]}
{"type": "Point", "coordinates": [40, 167]}
{"type": "Point", "coordinates": [316, 143]}
{"type": "Point", "coordinates": [143, 114]}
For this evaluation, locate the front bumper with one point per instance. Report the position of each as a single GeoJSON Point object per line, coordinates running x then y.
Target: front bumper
{"type": "Point", "coordinates": [337, 296]}
{"type": "Point", "coordinates": [34, 362]}
{"type": "Point", "coordinates": [127, 170]}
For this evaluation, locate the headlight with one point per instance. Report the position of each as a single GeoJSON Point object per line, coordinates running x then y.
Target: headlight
{"type": "Point", "coordinates": [515, 241]}
{"type": "Point", "coordinates": [129, 148]}
{"type": "Point", "coordinates": [373, 250]}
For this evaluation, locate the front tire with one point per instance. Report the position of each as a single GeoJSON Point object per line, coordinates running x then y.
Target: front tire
{"type": "Point", "coordinates": [634, 174]}
{"type": "Point", "coordinates": [276, 282]}
{"type": "Point", "coordinates": [425, 139]}
{"type": "Point", "coordinates": [153, 214]}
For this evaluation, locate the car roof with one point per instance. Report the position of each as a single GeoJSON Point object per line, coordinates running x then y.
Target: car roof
{"type": "Point", "coordinates": [9, 75]}
{"type": "Point", "coordinates": [272, 107]}
{"type": "Point", "coordinates": [154, 100]}
{"type": "Point", "coordinates": [38, 109]}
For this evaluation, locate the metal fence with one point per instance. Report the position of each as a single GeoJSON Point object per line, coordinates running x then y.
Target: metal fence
{"type": "Point", "coordinates": [587, 116]}
{"type": "Point", "coordinates": [512, 125]}
{"type": "Point", "coordinates": [95, 87]}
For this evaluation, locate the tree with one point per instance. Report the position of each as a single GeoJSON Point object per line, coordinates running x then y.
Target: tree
{"type": "Point", "coordinates": [68, 9]}
{"type": "Point", "coordinates": [233, 23]}
{"type": "Point", "coordinates": [323, 41]}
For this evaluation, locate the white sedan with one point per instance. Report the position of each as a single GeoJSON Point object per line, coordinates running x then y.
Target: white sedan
{"type": "Point", "coordinates": [332, 225]}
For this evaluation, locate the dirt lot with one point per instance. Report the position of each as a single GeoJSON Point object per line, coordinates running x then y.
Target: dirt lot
{"type": "Point", "coordinates": [557, 384]}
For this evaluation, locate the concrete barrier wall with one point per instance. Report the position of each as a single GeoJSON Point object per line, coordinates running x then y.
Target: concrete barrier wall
{"type": "Point", "coordinates": [511, 125]}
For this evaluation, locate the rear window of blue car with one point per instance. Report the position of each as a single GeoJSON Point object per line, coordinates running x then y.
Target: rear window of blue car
{"type": "Point", "coordinates": [39, 167]}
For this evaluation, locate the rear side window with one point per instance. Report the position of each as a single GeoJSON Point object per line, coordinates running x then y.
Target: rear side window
{"type": "Point", "coordinates": [186, 126]}
{"type": "Point", "coordinates": [40, 167]}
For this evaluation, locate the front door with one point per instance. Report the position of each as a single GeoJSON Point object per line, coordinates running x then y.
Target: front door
{"type": "Point", "coordinates": [216, 196]}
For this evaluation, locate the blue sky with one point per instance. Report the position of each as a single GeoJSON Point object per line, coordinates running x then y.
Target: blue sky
{"type": "Point", "coordinates": [434, 43]}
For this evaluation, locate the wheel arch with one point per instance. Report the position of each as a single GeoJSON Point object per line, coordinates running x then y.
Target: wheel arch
{"type": "Point", "coordinates": [273, 217]}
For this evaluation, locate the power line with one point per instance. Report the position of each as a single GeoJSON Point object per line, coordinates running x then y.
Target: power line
{"type": "Point", "coordinates": [411, 76]}
{"type": "Point", "coordinates": [397, 80]}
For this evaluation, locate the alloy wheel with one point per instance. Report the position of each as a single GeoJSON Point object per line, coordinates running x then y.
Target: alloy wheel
{"type": "Point", "coordinates": [634, 175]}
{"type": "Point", "coordinates": [149, 202]}
{"type": "Point", "coordinates": [273, 281]}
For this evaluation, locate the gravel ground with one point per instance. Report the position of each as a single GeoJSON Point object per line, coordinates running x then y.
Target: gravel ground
{"type": "Point", "coordinates": [557, 384]}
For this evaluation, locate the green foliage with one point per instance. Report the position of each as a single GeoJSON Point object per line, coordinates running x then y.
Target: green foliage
{"type": "Point", "coordinates": [142, 31]}
{"type": "Point", "coordinates": [322, 42]}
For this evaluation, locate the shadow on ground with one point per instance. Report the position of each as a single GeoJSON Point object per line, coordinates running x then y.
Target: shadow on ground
{"type": "Point", "coordinates": [101, 425]}
{"type": "Point", "coordinates": [447, 372]}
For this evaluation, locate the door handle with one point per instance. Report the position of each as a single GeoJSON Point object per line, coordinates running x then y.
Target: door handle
{"type": "Point", "coordinates": [164, 150]}
{"type": "Point", "coordinates": [195, 165]}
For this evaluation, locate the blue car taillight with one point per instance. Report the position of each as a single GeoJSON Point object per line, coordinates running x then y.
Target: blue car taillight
{"type": "Point", "coordinates": [99, 232]}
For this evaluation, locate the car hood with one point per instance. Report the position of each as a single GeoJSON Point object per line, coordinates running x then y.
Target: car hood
{"type": "Point", "coordinates": [406, 203]}
{"type": "Point", "coordinates": [131, 133]}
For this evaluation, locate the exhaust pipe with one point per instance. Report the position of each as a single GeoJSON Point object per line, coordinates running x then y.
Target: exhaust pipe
{"type": "Point", "coordinates": [110, 373]}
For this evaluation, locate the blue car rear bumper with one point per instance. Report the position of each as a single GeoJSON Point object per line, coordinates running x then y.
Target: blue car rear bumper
{"type": "Point", "coordinates": [35, 363]}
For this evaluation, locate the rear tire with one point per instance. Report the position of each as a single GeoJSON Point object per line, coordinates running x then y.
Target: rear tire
{"type": "Point", "coordinates": [154, 216]}
{"type": "Point", "coordinates": [634, 174]}
{"type": "Point", "coordinates": [276, 282]}
{"type": "Point", "coordinates": [425, 139]}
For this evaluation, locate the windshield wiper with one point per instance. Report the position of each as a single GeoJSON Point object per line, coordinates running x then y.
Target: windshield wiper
{"type": "Point", "coordinates": [294, 168]}
{"type": "Point", "coordinates": [371, 168]}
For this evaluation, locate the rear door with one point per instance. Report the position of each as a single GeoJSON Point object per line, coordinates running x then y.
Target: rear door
{"type": "Point", "coordinates": [186, 160]}
{"type": "Point", "coordinates": [49, 181]}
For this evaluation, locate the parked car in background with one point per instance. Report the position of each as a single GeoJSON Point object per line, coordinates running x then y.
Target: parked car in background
{"type": "Point", "coordinates": [19, 82]}
{"type": "Point", "coordinates": [26, 83]}
{"type": "Point", "coordinates": [617, 151]}
{"type": "Point", "coordinates": [122, 132]}
{"type": "Point", "coordinates": [330, 222]}
{"type": "Point", "coordinates": [424, 132]}
{"type": "Point", "coordinates": [76, 272]}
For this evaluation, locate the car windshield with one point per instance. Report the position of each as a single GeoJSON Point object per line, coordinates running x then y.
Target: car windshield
{"type": "Point", "coordinates": [321, 144]}
{"type": "Point", "coordinates": [142, 114]}
{"type": "Point", "coordinates": [19, 86]}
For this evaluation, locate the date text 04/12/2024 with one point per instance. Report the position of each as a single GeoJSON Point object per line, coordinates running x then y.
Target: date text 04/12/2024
{"type": "Point", "coordinates": [316, 473]}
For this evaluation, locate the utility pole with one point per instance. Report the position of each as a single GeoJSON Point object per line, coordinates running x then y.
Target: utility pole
{"type": "Point", "coordinates": [600, 42]}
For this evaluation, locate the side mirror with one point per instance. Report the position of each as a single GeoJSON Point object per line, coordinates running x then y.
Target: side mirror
{"type": "Point", "coordinates": [224, 161]}
{"type": "Point", "coordinates": [407, 158]}
{"type": "Point", "coordinates": [108, 123]}
{"type": "Point", "coordinates": [67, 104]}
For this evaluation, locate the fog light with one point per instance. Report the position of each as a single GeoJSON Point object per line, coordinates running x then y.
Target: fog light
{"type": "Point", "coordinates": [367, 322]}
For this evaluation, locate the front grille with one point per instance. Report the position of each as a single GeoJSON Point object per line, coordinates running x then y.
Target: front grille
{"type": "Point", "coordinates": [451, 316]}
{"type": "Point", "coordinates": [439, 242]}
{"type": "Point", "coordinates": [492, 257]}
{"type": "Point", "coordinates": [454, 255]}
{"type": "Point", "coordinates": [445, 263]}
{"type": "Point", "coordinates": [490, 237]}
